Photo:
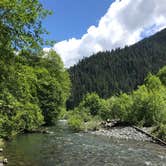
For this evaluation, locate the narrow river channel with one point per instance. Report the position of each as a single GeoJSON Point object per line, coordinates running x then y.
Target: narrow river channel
{"type": "Point", "coordinates": [63, 147]}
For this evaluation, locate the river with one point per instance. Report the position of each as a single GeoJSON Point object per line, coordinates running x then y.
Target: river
{"type": "Point", "coordinates": [63, 147]}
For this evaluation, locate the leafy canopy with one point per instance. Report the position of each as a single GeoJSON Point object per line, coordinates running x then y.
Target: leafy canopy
{"type": "Point", "coordinates": [20, 24]}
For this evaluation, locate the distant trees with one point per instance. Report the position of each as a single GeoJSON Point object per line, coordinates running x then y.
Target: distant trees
{"type": "Point", "coordinates": [145, 106]}
{"type": "Point", "coordinates": [121, 70]}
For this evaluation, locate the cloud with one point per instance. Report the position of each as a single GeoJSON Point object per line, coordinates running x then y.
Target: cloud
{"type": "Point", "coordinates": [125, 23]}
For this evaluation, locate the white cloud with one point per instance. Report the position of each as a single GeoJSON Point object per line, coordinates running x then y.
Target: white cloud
{"type": "Point", "coordinates": [125, 23]}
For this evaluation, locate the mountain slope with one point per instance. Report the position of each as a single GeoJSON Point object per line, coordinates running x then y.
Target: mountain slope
{"type": "Point", "coordinates": [109, 73]}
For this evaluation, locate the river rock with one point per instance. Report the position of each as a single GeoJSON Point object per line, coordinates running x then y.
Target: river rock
{"type": "Point", "coordinates": [123, 133]}
{"type": "Point", "coordinates": [5, 161]}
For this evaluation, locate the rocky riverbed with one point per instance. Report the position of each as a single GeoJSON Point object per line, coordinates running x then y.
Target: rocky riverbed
{"type": "Point", "coordinates": [124, 133]}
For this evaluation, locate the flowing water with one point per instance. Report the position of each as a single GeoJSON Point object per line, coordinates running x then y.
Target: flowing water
{"type": "Point", "coordinates": [62, 147]}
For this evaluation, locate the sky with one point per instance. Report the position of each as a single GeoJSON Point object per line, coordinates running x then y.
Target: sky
{"type": "Point", "coordinates": [72, 18]}
{"type": "Point", "coordinates": [83, 27]}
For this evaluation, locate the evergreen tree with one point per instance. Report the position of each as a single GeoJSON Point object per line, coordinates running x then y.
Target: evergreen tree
{"type": "Point", "coordinates": [121, 70]}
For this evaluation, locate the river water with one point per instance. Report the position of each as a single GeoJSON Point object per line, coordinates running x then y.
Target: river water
{"type": "Point", "coordinates": [63, 147]}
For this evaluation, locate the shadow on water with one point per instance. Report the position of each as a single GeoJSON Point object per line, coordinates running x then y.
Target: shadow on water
{"type": "Point", "coordinates": [62, 147]}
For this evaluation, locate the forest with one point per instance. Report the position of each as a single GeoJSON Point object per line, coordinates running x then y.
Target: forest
{"type": "Point", "coordinates": [120, 70]}
{"type": "Point", "coordinates": [143, 107]}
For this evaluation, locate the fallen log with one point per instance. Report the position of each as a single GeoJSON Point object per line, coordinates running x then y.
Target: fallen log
{"type": "Point", "coordinates": [109, 123]}
{"type": "Point", "coordinates": [157, 140]}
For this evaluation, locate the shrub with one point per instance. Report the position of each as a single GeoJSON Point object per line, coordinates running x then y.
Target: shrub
{"type": "Point", "coordinates": [104, 111]}
{"type": "Point", "coordinates": [93, 125]}
{"type": "Point", "coordinates": [76, 123]}
{"type": "Point", "coordinates": [149, 105]}
{"type": "Point", "coordinates": [121, 107]}
{"type": "Point", "coordinates": [28, 118]}
{"type": "Point", "coordinates": [92, 102]}
{"type": "Point", "coordinates": [162, 75]}
{"type": "Point", "coordinates": [160, 131]}
{"type": "Point", "coordinates": [63, 114]}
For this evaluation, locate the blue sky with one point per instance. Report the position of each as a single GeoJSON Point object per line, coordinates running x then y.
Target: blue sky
{"type": "Point", "coordinates": [71, 18]}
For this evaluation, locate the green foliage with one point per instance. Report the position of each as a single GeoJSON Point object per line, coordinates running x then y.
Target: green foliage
{"type": "Point", "coordinates": [145, 106]}
{"type": "Point", "coordinates": [2, 143]}
{"type": "Point", "coordinates": [140, 100]}
{"type": "Point", "coordinates": [162, 75]}
{"type": "Point", "coordinates": [121, 70]}
{"type": "Point", "coordinates": [105, 111]}
{"type": "Point", "coordinates": [149, 103]}
{"type": "Point", "coordinates": [33, 91]}
{"type": "Point", "coordinates": [160, 131]}
{"type": "Point", "coordinates": [53, 87]}
{"type": "Point", "coordinates": [93, 103]}
{"type": "Point", "coordinates": [76, 122]}
{"type": "Point", "coordinates": [63, 114]}
{"type": "Point", "coordinates": [28, 118]}
{"type": "Point", "coordinates": [79, 119]}
{"type": "Point", "coordinates": [121, 107]}
{"type": "Point", "coordinates": [34, 85]}
{"type": "Point", "coordinates": [93, 124]}
{"type": "Point", "coordinates": [20, 24]}
{"type": "Point", "coordinates": [152, 82]}
{"type": "Point", "coordinates": [86, 115]}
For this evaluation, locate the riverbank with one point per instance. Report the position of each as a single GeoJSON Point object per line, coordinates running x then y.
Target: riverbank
{"type": "Point", "coordinates": [121, 130]}
{"type": "Point", "coordinates": [1, 152]}
{"type": "Point", "coordinates": [124, 133]}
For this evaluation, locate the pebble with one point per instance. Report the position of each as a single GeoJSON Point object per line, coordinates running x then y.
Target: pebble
{"type": "Point", "coordinates": [5, 161]}
{"type": "Point", "coordinates": [123, 133]}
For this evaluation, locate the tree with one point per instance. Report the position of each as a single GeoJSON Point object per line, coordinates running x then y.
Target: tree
{"type": "Point", "coordinates": [152, 82]}
{"type": "Point", "coordinates": [53, 86]}
{"type": "Point", "coordinates": [20, 24]}
{"type": "Point", "coordinates": [93, 103]}
{"type": "Point", "coordinates": [33, 91]}
{"type": "Point", "coordinates": [121, 107]}
{"type": "Point", "coordinates": [162, 75]}
{"type": "Point", "coordinates": [34, 85]}
{"type": "Point", "coordinates": [149, 106]}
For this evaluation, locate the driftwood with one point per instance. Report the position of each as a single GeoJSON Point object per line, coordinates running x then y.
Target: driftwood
{"type": "Point", "coordinates": [159, 141]}
{"type": "Point", "coordinates": [43, 131]}
{"type": "Point", "coordinates": [109, 123]}
{"type": "Point", "coordinates": [113, 123]}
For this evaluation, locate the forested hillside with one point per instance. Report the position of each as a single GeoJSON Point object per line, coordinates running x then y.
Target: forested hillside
{"type": "Point", "coordinates": [109, 73]}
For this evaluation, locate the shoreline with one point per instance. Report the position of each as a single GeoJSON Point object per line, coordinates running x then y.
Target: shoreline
{"type": "Point", "coordinates": [1, 152]}
{"type": "Point", "coordinates": [120, 132]}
